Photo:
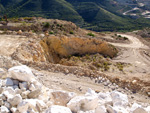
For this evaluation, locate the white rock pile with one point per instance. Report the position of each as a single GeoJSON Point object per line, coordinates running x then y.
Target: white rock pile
{"type": "Point", "coordinates": [20, 92]}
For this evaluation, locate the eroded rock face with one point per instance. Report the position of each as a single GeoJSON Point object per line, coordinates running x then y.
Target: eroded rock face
{"type": "Point", "coordinates": [29, 51]}
{"type": "Point", "coordinates": [53, 48]}
{"type": "Point", "coordinates": [59, 47]}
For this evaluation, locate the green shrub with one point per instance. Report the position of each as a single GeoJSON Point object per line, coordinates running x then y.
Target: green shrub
{"type": "Point", "coordinates": [51, 32]}
{"type": "Point", "coordinates": [46, 25]}
{"type": "Point", "coordinates": [125, 38]}
{"type": "Point", "coordinates": [71, 32]}
{"type": "Point", "coordinates": [119, 36]}
{"type": "Point", "coordinates": [91, 34]}
{"type": "Point", "coordinates": [120, 66]}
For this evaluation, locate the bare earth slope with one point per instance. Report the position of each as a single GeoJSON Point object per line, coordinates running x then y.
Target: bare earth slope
{"type": "Point", "coordinates": [9, 43]}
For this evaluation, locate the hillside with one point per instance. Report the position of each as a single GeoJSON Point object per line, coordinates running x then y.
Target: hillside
{"type": "Point", "coordinates": [98, 15]}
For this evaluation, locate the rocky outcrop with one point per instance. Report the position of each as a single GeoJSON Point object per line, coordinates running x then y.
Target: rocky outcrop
{"type": "Point", "coordinates": [29, 51]}
{"type": "Point", "coordinates": [53, 49]}
{"type": "Point", "coordinates": [56, 48]}
{"type": "Point", "coordinates": [20, 92]}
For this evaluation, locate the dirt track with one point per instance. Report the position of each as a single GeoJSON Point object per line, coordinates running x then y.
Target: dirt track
{"type": "Point", "coordinates": [133, 53]}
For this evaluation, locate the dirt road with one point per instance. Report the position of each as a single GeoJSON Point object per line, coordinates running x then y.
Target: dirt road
{"type": "Point", "coordinates": [133, 53]}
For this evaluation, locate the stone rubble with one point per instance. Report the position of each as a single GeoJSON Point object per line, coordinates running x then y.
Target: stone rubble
{"type": "Point", "coordinates": [20, 92]}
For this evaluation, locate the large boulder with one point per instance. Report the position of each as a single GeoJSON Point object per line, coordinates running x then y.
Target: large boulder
{"type": "Point", "coordinates": [15, 100]}
{"type": "Point", "coordinates": [62, 97]}
{"type": "Point", "coordinates": [83, 103]}
{"type": "Point", "coordinates": [21, 73]}
{"type": "Point", "coordinates": [105, 98]}
{"type": "Point", "coordinates": [119, 99]}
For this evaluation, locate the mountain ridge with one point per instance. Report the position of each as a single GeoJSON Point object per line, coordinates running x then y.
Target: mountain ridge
{"type": "Point", "coordinates": [98, 15]}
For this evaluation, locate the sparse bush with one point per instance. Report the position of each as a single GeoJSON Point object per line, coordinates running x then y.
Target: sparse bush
{"type": "Point", "coordinates": [71, 32]}
{"type": "Point", "coordinates": [46, 25]}
{"type": "Point", "coordinates": [119, 36]}
{"type": "Point", "coordinates": [120, 66]}
{"type": "Point", "coordinates": [91, 34]}
{"type": "Point", "coordinates": [125, 38]}
{"type": "Point", "coordinates": [58, 25]}
{"type": "Point", "coordinates": [51, 32]}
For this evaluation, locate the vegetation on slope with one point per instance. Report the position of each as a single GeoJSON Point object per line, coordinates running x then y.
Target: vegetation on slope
{"type": "Point", "coordinates": [98, 15]}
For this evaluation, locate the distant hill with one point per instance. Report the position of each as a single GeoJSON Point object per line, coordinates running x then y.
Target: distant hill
{"type": "Point", "coordinates": [99, 15]}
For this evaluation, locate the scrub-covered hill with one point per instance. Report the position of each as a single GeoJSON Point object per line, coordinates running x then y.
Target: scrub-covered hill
{"type": "Point", "coordinates": [99, 15]}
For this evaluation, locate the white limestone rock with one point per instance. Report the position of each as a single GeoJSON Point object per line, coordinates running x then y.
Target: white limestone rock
{"type": "Point", "coordinates": [37, 85]}
{"type": "Point", "coordinates": [31, 111]}
{"type": "Point", "coordinates": [21, 73]}
{"type": "Point", "coordinates": [1, 102]}
{"type": "Point", "coordinates": [18, 91]}
{"type": "Point", "coordinates": [148, 109]}
{"type": "Point", "coordinates": [15, 100]}
{"type": "Point", "coordinates": [25, 94]}
{"type": "Point", "coordinates": [58, 109]}
{"type": "Point", "coordinates": [100, 109]}
{"type": "Point", "coordinates": [135, 106]}
{"type": "Point", "coordinates": [0, 83]}
{"type": "Point", "coordinates": [9, 82]}
{"type": "Point", "coordinates": [91, 92]}
{"type": "Point", "coordinates": [34, 94]}
{"type": "Point", "coordinates": [62, 97]}
{"type": "Point", "coordinates": [4, 109]}
{"type": "Point", "coordinates": [3, 97]}
{"type": "Point", "coordinates": [23, 107]}
{"type": "Point", "coordinates": [120, 109]}
{"type": "Point", "coordinates": [23, 85]}
{"type": "Point", "coordinates": [140, 110]}
{"type": "Point", "coordinates": [110, 109]}
{"type": "Point", "coordinates": [92, 111]}
{"type": "Point", "coordinates": [83, 103]}
{"type": "Point", "coordinates": [3, 74]}
{"type": "Point", "coordinates": [32, 87]}
{"type": "Point", "coordinates": [7, 94]}
{"type": "Point", "coordinates": [41, 105]}
{"type": "Point", "coordinates": [15, 87]}
{"type": "Point", "coordinates": [41, 35]}
{"type": "Point", "coordinates": [10, 90]}
{"type": "Point", "coordinates": [13, 110]}
{"type": "Point", "coordinates": [1, 89]}
{"type": "Point", "coordinates": [31, 103]}
{"type": "Point", "coordinates": [16, 82]}
{"type": "Point", "coordinates": [119, 99]}
{"type": "Point", "coordinates": [104, 98]}
{"type": "Point", "coordinates": [7, 104]}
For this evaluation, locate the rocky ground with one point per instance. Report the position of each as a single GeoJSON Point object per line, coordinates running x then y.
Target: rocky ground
{"type": "Point", "coordinates": [120, 84]}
